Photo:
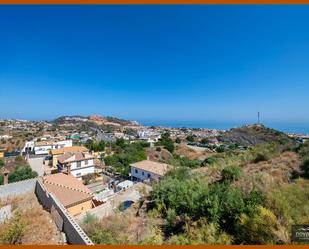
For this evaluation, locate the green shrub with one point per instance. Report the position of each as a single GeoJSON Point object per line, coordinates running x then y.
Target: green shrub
{"type": "Point", "coordinates": [166, 142]}
{"type": "Point", "coordinates": [290, 202]}
{"type": "Point", "coordinates": [220, 149]}
{"type": "Point", "coordinates": [14, 230]}
{"type": "Point", "coordinates": [190, 138]}
{"type": "Point", "coordinates": [186, 162]}
{"type": "Point", "coordinates": [19, 159]}
{"type": "Point", "coordinates": [200, 233]}
{"type": "Point", "coordinates": [260, 158]}
{"type": "Point", "coordinates": [171, 219]}
{"type": "Point", "coordinates": [121, 160]}
{"type": "Point", "coordinates": [204, 141]}
{"type": "Point", "coordinates": [259, 228]}
{"type": "Point", "coordinates": [95, 145]}
{"type": "Point", "coordinates": [231, 173]}
{"type": "Point", "coordinates": [208, 161]}
{"type": "Point", "coordinates": [305, 167]}
{"type": "Point", "coordinates": [22, 172]}
{"type": "Point", "coordinates": [89, 218]}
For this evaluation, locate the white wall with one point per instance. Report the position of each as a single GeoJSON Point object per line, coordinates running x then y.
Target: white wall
{"type": "Point", "coordinates": [41, 150]}
{"type": "Point", "coordinates": [82, 171]}
{"type": "Point", "coordinates": [65, 143]}
{"type": "Point", "coordinates": [28, 144]}
{"type": "Point", "coordinates": [143, 175]}
{"type": "Point", "coordinates": [74, 164]}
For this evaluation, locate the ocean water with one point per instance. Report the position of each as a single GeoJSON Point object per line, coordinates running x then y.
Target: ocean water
{"type": "Point", "coordinates": [302, 128]}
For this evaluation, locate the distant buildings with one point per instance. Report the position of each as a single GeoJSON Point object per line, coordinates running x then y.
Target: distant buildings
{"type": "Point", "coordinates": [5, 137]}
{"type": "Point", "coordinates": [149, 136]}
{"type": "Point", "coordinates": [43, 147]}
{"type": "Point", "coordinates": [147, 170]}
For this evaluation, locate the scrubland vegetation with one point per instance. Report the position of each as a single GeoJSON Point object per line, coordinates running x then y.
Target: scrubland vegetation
{"type": "Point", "coordinates": [19, 170]}
{"type": "Point", "coordinates": [28, 224]}
{"type": "Point", "coordinates": [125, 154]}
{"type": "Point", "coordinates": [233, 197]}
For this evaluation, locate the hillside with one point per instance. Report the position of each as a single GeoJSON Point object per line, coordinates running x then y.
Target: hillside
{"type": "Point", "coordinates": [253, 135]}
{"type": "Point", "coordinates": [71, 119]}
{"type": "Point", "coordinates": [93, 119]}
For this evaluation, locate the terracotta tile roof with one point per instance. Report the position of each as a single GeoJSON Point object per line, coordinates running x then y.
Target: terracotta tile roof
{"type": "Point", "coordinates": [67, 189]}
{"type": "Point", "coordinates": [153, 167]}
{"type": "Point", "coordinates": [68, 149]}
{"type": "Point", "coordinates": [69, 157]}
{"type": "Point", "coordinates": [44, 143]}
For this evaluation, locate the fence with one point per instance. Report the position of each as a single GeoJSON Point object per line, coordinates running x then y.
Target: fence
{"type": "Point", "coordinates": [64, 221]}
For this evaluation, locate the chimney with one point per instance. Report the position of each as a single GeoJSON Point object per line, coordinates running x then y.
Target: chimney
{"type": "Point", "coordinates": [69, 169]}
{"type": "Point", "coordinates": [5, 177]}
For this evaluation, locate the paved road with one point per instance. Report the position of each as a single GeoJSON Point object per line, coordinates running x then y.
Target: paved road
{"type": "Point", "coordinates": [37, 164]}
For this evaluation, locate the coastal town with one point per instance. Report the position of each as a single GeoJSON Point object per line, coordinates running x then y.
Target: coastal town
{"type": "Point", "coordinates": [69, 159]}
{"type": "Point", "coordinates": [78, 167]}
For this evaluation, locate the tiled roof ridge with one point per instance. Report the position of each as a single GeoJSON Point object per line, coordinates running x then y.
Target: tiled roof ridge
{"type": "Point", "coordinates": [67, 187]}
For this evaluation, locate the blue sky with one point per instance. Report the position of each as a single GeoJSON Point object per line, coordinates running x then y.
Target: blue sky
{"type": "Point", "coordinates": [199, 63]}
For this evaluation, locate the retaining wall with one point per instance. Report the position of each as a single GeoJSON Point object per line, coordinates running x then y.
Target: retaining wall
{"type": "Point", "coordinates": [17, 188]}
{"type": "Point", "coordinates": [64, 221]}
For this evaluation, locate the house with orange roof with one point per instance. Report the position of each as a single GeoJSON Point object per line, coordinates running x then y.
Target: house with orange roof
{"type": "Point", "coordinates": [58, 152]}
{"type": "Point", "coordinates": [77, 164]}
{"type": "Point", "coordinates": [72, 193]}
{"type": "Point", "coordinates": [147, 170]}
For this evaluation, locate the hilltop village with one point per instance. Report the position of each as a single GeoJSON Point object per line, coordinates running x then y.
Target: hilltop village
{"type": "Point", "coordinates": [105, 180]}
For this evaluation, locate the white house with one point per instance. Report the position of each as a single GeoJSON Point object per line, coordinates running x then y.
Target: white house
{"type": "Point", "coordinates": [28, 147]}
{"type": "Point", "coordinates": [43, 147]}
{"type": "Point", "coordinates": [77, 164]}
{"type": "Point", "coordinates": [149, 170]}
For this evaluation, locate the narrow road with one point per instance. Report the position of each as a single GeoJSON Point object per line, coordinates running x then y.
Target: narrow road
{"type": "Point", "coordinates": [37, 165]}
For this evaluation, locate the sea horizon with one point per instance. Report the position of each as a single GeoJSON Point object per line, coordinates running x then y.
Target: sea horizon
{"type": "Point", "coordinates": [287, 127]}
{"type": "Point", "coordinates": [297, 128]}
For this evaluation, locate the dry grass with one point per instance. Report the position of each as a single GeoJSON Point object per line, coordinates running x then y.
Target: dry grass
{"type": "Point", "coordinates": [279, 167]}
{"type": "Point", "coordinates": [40, 229]}
{"type": "Point", "coordinates": [161, 155]}
{"type": "Point", "coordinates": [121, 228]}
{"type": "Point", "coordinates": [268, 175]}
{"type": "Point", "coordinates": [183, 149]}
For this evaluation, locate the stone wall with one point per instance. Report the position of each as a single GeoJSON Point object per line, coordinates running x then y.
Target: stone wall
{"type": "Point", "coordinates": [17, 188]}
{"type": "Point", "coordinates": [64, 221]}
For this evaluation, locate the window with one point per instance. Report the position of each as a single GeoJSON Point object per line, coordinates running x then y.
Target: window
{"type": "Point", "coordinates": [78, 164]}
{"type": "Point", "coordinates": [136, 171]}
{"type": "Point", "coordinates": [142, 172]}
{"type": "Point", "coordinates": [78, 174]}
{"type": "Point", "coordinates": [86, 162]}
{"type": "Point", "coordinates": [149, 175]}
